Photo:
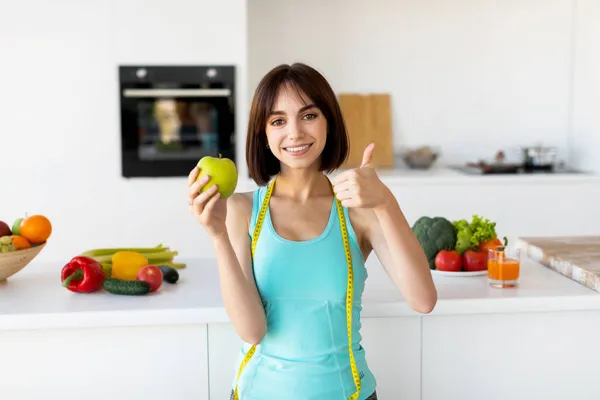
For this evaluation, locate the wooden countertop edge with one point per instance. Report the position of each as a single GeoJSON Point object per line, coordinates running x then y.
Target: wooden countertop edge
{"type": "Point", "coordinates": [560, 265]}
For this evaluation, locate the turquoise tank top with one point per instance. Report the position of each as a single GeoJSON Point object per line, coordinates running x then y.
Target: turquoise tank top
{"type": "Point", "coordinates": [304, 354]}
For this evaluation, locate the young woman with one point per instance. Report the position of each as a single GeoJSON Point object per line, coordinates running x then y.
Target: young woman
{"type": "Point", "coordinates": [292, 253]}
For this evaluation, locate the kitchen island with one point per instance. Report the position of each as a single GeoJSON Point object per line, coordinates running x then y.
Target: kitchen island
{"type": "Point", "coordinates": [534, 341]}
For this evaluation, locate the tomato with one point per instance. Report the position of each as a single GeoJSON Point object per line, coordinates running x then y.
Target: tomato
{"type": "Point", "coordinates": [475, 260]}
{"type": "Point", "coordinates": [492, 244]}
{"type": "Point", "coordinates": [448, 260]}
{"type": "Point", "coordinates": [152, 275]}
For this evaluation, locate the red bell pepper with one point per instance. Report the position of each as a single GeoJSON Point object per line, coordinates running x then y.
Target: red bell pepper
{"type": "Point", "coordinates": [82, 275]}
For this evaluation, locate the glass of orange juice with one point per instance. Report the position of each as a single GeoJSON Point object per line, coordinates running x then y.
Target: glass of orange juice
{"type": "Point", "coordinates": [504, 266]}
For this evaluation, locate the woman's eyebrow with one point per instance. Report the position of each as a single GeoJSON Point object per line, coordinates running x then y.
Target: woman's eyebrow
{"type": "Point", "coordinates": [306, 107]}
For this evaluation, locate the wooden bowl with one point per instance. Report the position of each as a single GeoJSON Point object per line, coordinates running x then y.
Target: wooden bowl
{"type": "Point", "coordinates": [13, 262]}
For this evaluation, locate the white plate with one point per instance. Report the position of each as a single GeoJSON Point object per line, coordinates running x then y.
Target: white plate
{"type": "Point", "coordinates": [458, 274]}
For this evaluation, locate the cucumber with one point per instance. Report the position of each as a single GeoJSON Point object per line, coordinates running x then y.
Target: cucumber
{"type": "Point", "coordinates": [126, 287]}
{"type": "Point", "coordinates": [170, 275]}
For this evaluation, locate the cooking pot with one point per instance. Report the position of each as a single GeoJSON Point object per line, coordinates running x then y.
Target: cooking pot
{"type": "Point", "coordinates": [539, 157]}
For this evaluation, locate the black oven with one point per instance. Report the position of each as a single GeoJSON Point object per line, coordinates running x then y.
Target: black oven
{"type": "Point", "coordinates": [171, 116]}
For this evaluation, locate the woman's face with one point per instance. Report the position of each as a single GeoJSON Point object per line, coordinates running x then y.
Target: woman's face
{"type": "Point", "coordinates": [296, 130]}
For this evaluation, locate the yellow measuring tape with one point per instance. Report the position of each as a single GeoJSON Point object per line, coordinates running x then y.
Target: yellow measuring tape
{"type": "Point", "coordinates": [349, 290]}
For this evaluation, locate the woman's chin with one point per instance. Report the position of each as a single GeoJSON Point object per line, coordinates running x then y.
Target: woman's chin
{"type": "Point", "coordinates": [301, 163]}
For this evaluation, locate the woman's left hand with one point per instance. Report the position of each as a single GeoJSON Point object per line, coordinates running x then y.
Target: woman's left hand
{"type": "Point", "coordinates": [361, 187]}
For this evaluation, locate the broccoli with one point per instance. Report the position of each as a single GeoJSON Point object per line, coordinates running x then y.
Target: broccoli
{"type": "Point", "coordinates": [434, 234]}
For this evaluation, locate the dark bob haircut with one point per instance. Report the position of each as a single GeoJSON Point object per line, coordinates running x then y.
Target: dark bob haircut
{"type": "Point", "coordinates": [309, 83]}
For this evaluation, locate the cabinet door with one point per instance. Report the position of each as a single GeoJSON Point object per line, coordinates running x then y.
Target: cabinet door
{"type": "Point", "coordinates": [393, 351]}
{"type": "Point", "coordinates": [100, 363]}
{"type": "Point", "coordinates": [550, 356]}
{"type": "Point", "coordinates": [223, 349]}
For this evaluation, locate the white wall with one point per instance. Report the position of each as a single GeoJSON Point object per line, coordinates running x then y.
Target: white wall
{"type": "Point", "coordinates": [586, 93]}
{"type": "Point", "coordinates": [60, 148]}
{"type": "Point", "coordinates": [472, 76]}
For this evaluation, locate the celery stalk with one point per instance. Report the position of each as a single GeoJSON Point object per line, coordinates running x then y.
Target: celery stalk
{"type": "Point", "coordinates": [110, 251]}
{"type": "Point", "coordinates": [107, 267]}
{"type": "Point", "coordinates": [152, 257]}
{"type": "Point", "coordinates": [174, 265]}
{"type": "Point", "coordinates": [170, 263]}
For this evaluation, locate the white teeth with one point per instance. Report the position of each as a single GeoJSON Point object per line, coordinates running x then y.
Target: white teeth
{"type": "Point", "coordinates": [294, 149]}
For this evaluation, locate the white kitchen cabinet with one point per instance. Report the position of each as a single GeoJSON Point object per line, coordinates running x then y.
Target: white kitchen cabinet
{"type": "Point", "coordinates": [223, 349]}
{"type": "Point", "coordinates": [134, 363]}
{"type": "Point", "coordinates": [517, 356]}
{"type": "Point", "coordinates": [392, 346]}
{"type": "Point", "coordinates": [393, 350]}
{"type": "Point", "coordinates": [508, 203]}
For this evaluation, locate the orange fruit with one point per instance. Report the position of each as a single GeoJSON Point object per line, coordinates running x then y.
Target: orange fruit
{"type": "Point", "coordinates": [36, 229]}
{"type": "Point", "coordinates": [20, 242]}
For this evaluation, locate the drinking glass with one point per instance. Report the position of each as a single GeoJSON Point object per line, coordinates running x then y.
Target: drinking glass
{"type": "Point", "coordinates": [504, 266]}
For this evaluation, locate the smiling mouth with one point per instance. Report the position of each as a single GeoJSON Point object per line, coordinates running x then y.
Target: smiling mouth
{"type": "Point", "coordinates": [297, 149]}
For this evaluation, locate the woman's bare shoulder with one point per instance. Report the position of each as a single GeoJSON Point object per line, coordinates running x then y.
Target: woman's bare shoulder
{"type": "Point", "coordinates": [241, 199]}
{"type": "Point", "coordinates": [239, 206]}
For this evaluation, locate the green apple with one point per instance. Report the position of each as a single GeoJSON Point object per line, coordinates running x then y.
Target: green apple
{"type": "Point", "coordinates": [222, 172]}
{"type": "Point", "coordinates": [16, 227]}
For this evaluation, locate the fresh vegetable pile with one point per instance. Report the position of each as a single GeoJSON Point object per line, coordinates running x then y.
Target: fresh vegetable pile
{"type": "Point", "coordinates": [152, 255]}
{"type": "Point", "coordinates": [457, 245]}
{"type": "Point", "coordinates": [126, 271]}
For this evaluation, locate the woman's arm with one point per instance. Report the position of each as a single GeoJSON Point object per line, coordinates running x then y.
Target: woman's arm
{"type": "Point", "coordinates": [240, 295]}
{"type": "Point", "coordinates": [226, 221]}
{"type": "Point", "coordinates": [388, 233]}
{"type": "Point", "coordinates": [400, 253]}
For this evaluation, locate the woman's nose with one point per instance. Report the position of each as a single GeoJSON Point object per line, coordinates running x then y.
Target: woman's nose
{"type": "Point", "coordinates": [294, 130]}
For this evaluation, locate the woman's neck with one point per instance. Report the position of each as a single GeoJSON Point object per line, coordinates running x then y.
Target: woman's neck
{"type": "Point", "coordinates": [302, 184]}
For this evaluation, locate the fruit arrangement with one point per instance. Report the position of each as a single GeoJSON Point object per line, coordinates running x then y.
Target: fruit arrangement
{"type": "Point", "coordinates": [22, 242]}
{"type": "Point", "coordinates": [459, 245]}
{"type": "Point", "coordinates": [125, 271]}
{"type": "Point", "coordinates": [25, 233]}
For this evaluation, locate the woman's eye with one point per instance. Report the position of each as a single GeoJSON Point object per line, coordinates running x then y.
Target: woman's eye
{"type": "Point", "coordinates": [310, 116]}
{"type": "Point", "coordinates": [277, 122]}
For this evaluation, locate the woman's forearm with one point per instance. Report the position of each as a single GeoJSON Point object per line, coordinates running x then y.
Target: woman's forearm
{"type": "Point", "coordinates": [408, 264]}
{"type": "Point", "coordinates": [242, 300]}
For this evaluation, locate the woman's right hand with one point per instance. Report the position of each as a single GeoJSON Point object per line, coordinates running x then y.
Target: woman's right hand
{"type": "Point", "coordinates": [208, 207]}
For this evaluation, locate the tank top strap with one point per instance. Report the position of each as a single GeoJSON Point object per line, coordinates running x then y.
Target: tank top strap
{"type": "Point", "coordinates": [257, 199]}
{"type": "Point", "coordinates": [351, 233]}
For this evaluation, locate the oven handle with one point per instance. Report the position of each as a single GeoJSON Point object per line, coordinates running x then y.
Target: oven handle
{"type": "Point", "coordinates": [177, 92]}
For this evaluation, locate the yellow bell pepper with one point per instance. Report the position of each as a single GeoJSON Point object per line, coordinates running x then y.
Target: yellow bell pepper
{"type": "Point", "coordinates": [127, 264]}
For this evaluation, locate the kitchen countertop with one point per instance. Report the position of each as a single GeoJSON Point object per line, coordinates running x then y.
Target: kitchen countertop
{"type": "Point", "coordinates": [576, 257]}
{"type": "Point", "coordinates": [34, 298]}
{"type": "Point", "coordinates": [448, 176]}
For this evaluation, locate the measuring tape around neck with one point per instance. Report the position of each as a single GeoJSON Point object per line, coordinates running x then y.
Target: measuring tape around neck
{"type": "Point", "coordinates": [349, 289]}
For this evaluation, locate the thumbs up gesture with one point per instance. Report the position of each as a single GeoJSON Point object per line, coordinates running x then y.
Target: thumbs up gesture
{"type": "Point", "coordinates": [361, 187]}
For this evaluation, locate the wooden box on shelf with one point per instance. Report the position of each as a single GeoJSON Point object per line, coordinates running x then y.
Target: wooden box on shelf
{"type": "Point", "coordinates": [368, 119]}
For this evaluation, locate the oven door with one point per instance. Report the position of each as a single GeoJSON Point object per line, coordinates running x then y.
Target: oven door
{"type": "Point", "coordinates": [167, 127]}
